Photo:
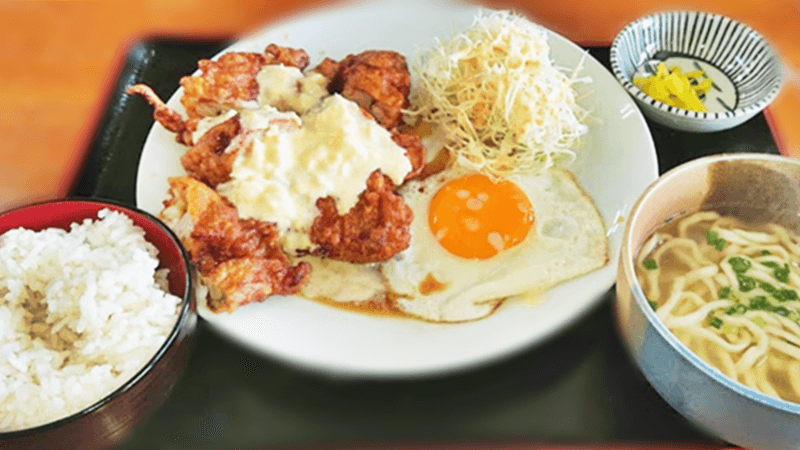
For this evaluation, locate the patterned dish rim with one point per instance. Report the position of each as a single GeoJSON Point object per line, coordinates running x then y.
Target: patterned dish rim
{"type": "Point", "coordinates": [771, 58]}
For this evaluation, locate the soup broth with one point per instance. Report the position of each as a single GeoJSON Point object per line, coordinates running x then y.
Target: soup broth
{"type": "Point", "coordinates": [729, 291]}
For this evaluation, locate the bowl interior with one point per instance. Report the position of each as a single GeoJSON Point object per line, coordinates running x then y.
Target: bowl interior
{"type": "Point", "coordinates": [750, 187]}
{"type": "Point", "coordinates": [746, 71]}
{"type": "Point", "coordinates": [61, 214]}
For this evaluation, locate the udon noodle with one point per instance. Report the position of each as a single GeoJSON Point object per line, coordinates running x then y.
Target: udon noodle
{"type": "Point", "coordinates": [729, 291]}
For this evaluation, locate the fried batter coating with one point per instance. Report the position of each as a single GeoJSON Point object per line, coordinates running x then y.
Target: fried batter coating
{"type": "Point", "coordinates": [231, 79]}
{"type": "Point", "coordinates": [207, 160]}
{"type": "Point", "coordinates": [290, 57]}
{"type": "Point", "coordinates": [375, 229]}
{"type": "Point", "coordinates": [378, 80]}
{"type": "Point", "coordinates": [168, 118]}
{"type": "Point", "coordinates": [328, 67]}
{"type": "Point", "coordinates": [415, 151]}
{"type": "Point", "coordinates": [222, 84]}
{"type": "Point", "coordinates": [239, 260]}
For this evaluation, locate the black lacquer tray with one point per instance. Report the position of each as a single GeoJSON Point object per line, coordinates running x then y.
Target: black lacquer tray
{"type": "Point", "coordinates": [578, 389]}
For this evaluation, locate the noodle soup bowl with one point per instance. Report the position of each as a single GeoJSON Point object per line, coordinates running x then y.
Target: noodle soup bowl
{"type": "Point", "coordinates": [751, 188]}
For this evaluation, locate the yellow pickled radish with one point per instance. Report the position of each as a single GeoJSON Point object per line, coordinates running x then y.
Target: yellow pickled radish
{"type": "Point", "coordinates": [673, 87]}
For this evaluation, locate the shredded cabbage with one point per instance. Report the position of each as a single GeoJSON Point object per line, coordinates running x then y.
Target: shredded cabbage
{"type": "Point", "coordinates": [503, 106]}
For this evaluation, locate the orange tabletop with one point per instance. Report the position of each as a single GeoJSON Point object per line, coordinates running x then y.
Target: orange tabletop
{"type": "Point", "coordinates": [60, 58]}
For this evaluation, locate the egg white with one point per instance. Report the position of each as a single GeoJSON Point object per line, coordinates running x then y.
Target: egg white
{"type": "Point", "coordinates": [568, 239]}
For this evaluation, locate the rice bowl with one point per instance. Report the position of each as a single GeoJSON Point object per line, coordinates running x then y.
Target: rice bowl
{"type": "Point", "coordinates": [95, 323]}
{"type": "Point", "coordinates": [65, 294]}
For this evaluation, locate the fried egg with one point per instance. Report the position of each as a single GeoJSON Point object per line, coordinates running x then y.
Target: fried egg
{"type": "Point", "coordinates": [475, 242]}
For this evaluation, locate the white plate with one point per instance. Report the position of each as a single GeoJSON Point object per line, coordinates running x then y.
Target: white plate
{"type": "Point", "coordinates": [617, 163]}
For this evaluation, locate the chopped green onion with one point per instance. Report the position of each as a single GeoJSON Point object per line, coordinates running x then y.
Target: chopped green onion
{"type": "Point", "coordinates": [739, 264]}
{"type": "Point", "coordinates": [650, 264]}
{"type": "Point", "coordinates": [712, 238]}
{"type": "Point", "coordinates": [764, 253]}
{"type": "Point", "coordinates": [725, 292]}
{"type": "Point", "coordinates": [781, 273]}
{"type": "Point", "coordinates": [716, 322]}
{"type": "Point", "coordinates": [759, 321]}
{"type": "Point", "coordinates": [760, 302]}
{"type": "Point", "coordinates": [736, 310]}
{"type": "Point", "coordinates": [785, 295]}
{"type": "Point", "coordinates": [746, 284]}
{"type": "Point", "coordinates": [782, 311]}
{"type": "Point", "coordinates": [766, 287]}
{"type": "Point", "coordinates": [653, 305]}
{"type": "Point", "coordinates": [729, 329]}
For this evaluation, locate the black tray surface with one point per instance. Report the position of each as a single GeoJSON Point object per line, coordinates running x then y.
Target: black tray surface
{"type": "Point", "coordinates": [578, 388]}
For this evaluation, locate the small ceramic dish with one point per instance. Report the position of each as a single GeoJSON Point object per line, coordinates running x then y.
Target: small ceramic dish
{"type": "Point", "coordinates": [746, 72]}
{"type": "Point", "coordinates": [107, 421]}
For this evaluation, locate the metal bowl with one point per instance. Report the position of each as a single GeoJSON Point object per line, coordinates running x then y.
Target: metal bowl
{"type": "Point", "coordinates": [746, 186]}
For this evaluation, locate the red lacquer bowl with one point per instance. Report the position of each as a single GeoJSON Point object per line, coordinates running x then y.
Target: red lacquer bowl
{"type": "Point", "coordinates": [109, 420]}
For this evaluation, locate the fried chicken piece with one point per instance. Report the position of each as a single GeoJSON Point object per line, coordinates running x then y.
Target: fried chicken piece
{"type": "Point", "coordinates": [378, 80]}
{"type": "Point", "coordinates": [231, 79]}
{"type": "Point", "coordinates": [375, 229]}
{"type": "Point", "coordinates": [290, 57]}
{"type": "Point", "coordinates": [415, 151]}
{"type": "Point", "coordinates": [239, 260]}
{"type": "Point", "coordinates": [207, 160]}
{"type": "Point", "coordinates": [222, 84]}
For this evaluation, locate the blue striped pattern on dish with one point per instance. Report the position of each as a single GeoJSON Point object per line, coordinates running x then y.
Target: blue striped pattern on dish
{"type": "Point", "coordinates": [735, 49]}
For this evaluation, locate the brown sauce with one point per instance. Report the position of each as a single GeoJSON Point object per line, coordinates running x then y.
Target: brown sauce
{"type": "Point", "coordinates": [384, 307]}
{"type": "Point", "coordinates": [430, 285]}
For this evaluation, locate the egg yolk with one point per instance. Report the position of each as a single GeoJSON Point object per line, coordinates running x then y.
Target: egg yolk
{"type": "Point", "coordinates": [474, 217]}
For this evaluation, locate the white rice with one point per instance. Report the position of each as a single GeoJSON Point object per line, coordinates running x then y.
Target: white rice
{"type": "Point", "coordinates": [105, 316]}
